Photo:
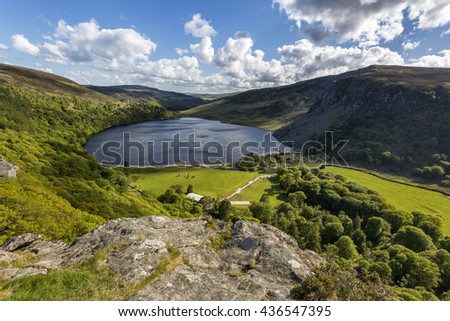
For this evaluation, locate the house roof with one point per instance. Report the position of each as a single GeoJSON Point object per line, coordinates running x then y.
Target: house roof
{"type": "Point", "coordinates": [195, 197]}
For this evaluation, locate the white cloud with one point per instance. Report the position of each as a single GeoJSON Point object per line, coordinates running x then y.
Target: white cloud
{"type": "Point", "coordinates": [441, 60]}
{"type": "Point", "coordinates": [39, 66]}
{"type": "Point", "coordinates": [410, 45]}
{"type": "Point", "coordinates": [446, 32]}
{"type": "Point", "coordinates": [231, 57]}
{"type": "Point", "coordinates": [182, 69]}
{"type": "Point", "coordinates": [306, 60]}
{"type": "Point", "coordinates": [429, 13]}
{"type": "Point", "coordinates": [204, 50]}
{"type": "Point", "coordinates": [181, 52]}
{"type": "Point", "coordinates": [199, 27]}
{"type": "Point", "coordinates": [3, 47]}
{"type": "Point", "coordinates": [367, 21]}
{"type": "Point", "coordinates": [86, 42]}
{"type": "Point", "coordinates": [21, 43]}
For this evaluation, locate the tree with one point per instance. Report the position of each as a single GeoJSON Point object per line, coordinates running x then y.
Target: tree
{"type": "Point", "coordinates": [224, 210]}
{"type": "Point", "coordinates": [190, 189]}
{"type": "Point", "coordinates": [177, 189]}
{"type": "Point", "coordinates": [207, 204]}
{"type": "Point", "coordinates": [338, 281]}
{"type": "Point", "coordinates": [331, 232]}
{"type": "Point", "coordinates": [347, 223]}
{"type": "Point", "coordinates": [359, 239]}
{"type": "Point", "coordinates": [170, 197]}
{"type": "Point", "coordinates": [262, 211]}
{"type": "Point", "coordinates": [431, 229]}
{"type": "Point", "coordinates": [413, 238]}
{"type": "Point", "coordinates": [346, 248]}
{"type": "Point", "coordinates": [264, 198]}
{"type": "Point", "coordinates": [411, 270]}
{"type": "Point", "coordinates": [397, 219]}
{"type": "Point", "coordinates": [382, 269]}
{"type": "Point", "coordinates": [313, 240]}
{"type": "Point", "coordinates": [377, 229]}
{"type": "Point", "coordinates": [445, 243]}
{"type": "Point", "coordinates": [442, 259]}
{"type": "Point", "coordinates": [297, 198]}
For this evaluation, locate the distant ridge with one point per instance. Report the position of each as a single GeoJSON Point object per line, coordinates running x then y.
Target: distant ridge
{"type": "Point", "coordinates": [46, 82]}
{"type": "Point", "coordinates": [169, 99]}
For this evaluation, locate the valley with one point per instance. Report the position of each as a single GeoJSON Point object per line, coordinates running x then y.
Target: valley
{"type": "Point", "coordinates": [391, 238]}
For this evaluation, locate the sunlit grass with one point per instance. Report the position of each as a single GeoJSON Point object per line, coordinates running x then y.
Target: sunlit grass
{"type": "Point", "coordinates": [403, 197]}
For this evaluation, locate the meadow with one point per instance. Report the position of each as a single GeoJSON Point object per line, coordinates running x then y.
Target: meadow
{"type": "Point", "coordinates": [403, 197]}
{"type": "Point", "coordinates": [215, 183]}
{"type": "Point", "coordinates": [254, 192]}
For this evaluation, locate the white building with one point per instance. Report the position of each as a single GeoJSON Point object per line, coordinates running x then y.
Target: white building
{"type": "Point", "coordinates": [194, 197]}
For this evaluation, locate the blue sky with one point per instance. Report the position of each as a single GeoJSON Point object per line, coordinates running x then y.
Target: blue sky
{"type": "Point", "coordinates": [220, 46]}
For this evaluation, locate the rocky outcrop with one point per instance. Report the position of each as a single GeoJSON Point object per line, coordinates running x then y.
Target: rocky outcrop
{"type": "Point", "coordinates": [14, 243]}
{"type": "Point", "coordinates": [7, 169]}
{"type": "Point", "coordinates": [182, 259]}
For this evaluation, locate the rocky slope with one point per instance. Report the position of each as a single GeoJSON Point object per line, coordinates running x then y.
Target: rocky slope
{"type": "Point", "coordinates": [177, 259]}
{"type": "Point", "coordinates": [400, 110]}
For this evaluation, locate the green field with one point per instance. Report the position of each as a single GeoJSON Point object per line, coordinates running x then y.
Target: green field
{"type": "Point", "coordinates": [403, 197]}
{"type": "Point", "coordinates": [254, 192]}
{"type": "Point", "coordinates": [208, 182]}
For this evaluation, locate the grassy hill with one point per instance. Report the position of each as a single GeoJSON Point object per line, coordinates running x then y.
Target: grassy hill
{"type": "Point", "coordinates": [269, 108]}
{"type": "Point", "coordinates": [404, 197]}
{"type": "Point", "coordinates": [45, 82]}
{"type": "Point", "coordinates": [61, 191]}
{"type": "Point", "coordinates": [168, 99]}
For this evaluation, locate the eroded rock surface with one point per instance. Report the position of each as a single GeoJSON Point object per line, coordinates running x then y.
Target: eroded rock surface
{"type": "Point", "coordinates": [178, 259]}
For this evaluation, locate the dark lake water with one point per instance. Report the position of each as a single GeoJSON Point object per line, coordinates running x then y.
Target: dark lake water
{"type": "Point", "coordinates": [182, 141]}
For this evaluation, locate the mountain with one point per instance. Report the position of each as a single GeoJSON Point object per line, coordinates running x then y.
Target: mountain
{"type": "Point", "coordinates": [168, 99]}
{"type": "Point", "coordinates": [392, 115]}
{"type": "Point", "coordinates": [269, 108]}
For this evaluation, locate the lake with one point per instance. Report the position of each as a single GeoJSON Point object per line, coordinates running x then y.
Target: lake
{"type": "Point", "coordinates": [182, 141]}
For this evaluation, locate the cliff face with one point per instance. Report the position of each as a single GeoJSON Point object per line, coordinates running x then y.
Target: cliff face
{"type": "Point", "coordinates": [177, 259]}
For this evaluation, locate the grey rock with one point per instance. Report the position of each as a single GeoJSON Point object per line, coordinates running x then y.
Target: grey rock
{"type": "Point", "coordinates": [6, 258]}
{"type": "Point", "coordinates": [175, 259]}
{"type": "Point", "coordinates": [9, 274]}
{"type": "Point", "coordinates": [44, 247]}
{"type": "Point", "coordinates": [18, 242]}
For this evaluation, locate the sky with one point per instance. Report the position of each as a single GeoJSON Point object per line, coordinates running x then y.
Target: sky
{"type": "Point", "coordinates": [212, 46]}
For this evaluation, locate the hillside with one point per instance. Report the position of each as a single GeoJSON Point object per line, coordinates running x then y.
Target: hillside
{"type": "Point", "coordinates": [269, 108]}
{"type": "Point", "coordinates": [168, 99]}
{"type": "Point", "coordinates": [394, 117]}
{"type": "Point", "coordinates": [45, 82]}
{"type": "Point", "coordinates": [60, 191]}
{"type": "Point", "coordinates": [397, 117]}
